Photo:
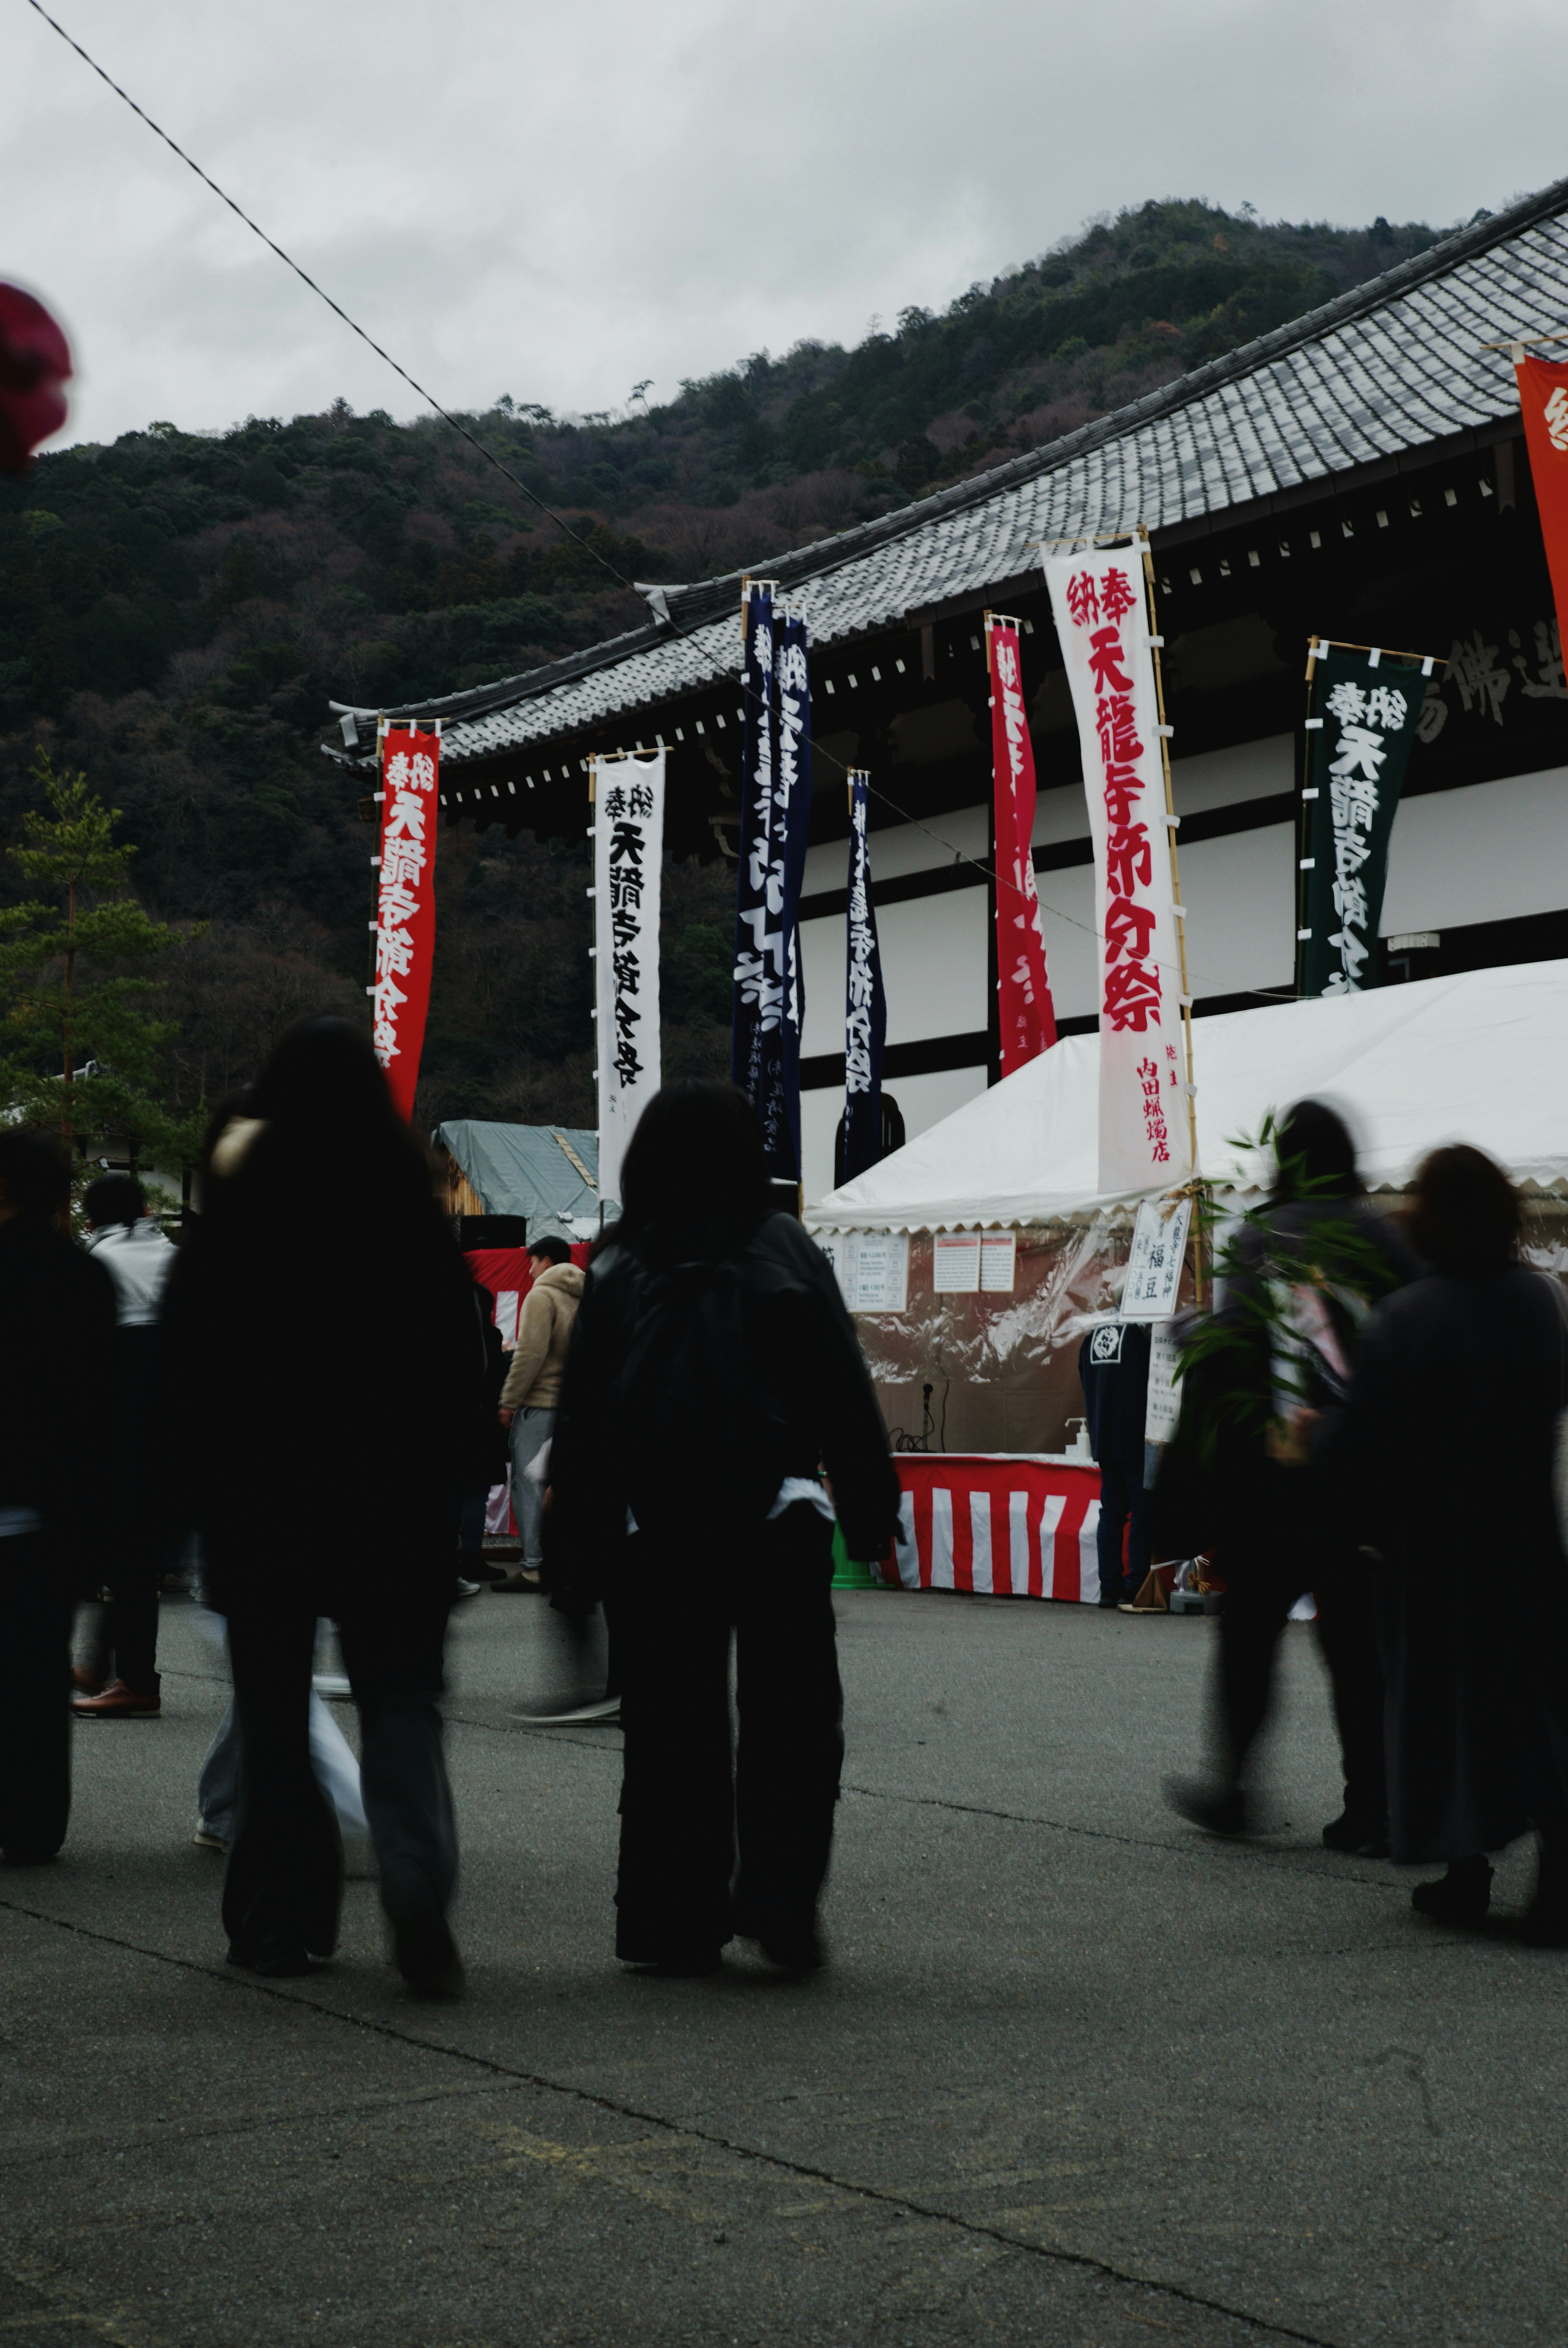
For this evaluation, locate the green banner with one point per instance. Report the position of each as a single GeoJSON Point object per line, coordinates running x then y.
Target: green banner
{"type": "Point", "coordinates": [1362, 710]}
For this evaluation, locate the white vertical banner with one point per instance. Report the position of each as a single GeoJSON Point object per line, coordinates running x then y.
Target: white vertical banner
{"type": "Point", "coordinates": [1103, 621]}
{"type": "Point", "coordinates": [628, 854]}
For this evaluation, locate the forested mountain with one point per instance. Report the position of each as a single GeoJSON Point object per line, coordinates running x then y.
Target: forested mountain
{"type": "Point", "coordinates": [176, 610]}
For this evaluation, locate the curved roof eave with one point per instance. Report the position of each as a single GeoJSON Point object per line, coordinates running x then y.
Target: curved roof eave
{"type": "Point", "coordinates": [1340, 386]}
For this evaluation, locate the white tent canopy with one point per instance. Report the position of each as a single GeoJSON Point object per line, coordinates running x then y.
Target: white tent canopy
{"type": "Point", "coordinates": [1480, 1057]}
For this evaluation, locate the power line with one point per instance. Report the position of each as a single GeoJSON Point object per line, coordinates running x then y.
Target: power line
{"type": "Point", "coordinates": [306, 279]}
{"type": "Point", "coordinates": [457, 424]}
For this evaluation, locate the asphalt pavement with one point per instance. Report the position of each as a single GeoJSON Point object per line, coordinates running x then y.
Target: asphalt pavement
{"type": "Point", "coordinates": [1074, 2073]}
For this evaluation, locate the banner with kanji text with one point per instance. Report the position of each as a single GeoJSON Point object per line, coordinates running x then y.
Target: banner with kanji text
{"type": "Point", "coordinates": [1543, 406]}
{"type": "Point", "coordinates": [405, 905]}
{"type": "Point", "coordinates": [1363, 710]}
{"type": "Point", "coordinates": [1103, 622]}
{"type": "Point", "coordinates": [1026, 1013]}
{"type": "Point", "coordinates": [865, 1002]}
{"type": "Point", "coordinates": [769, 992]}
{"type": "Point", "coordinates": [627, 860]}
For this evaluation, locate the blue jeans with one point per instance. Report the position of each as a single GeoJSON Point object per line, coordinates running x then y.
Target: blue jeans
{"type": "Point", "coordinates": [1123, 1497]}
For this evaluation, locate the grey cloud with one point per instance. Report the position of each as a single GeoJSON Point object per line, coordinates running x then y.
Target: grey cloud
{"type": "Point", "coordinates": [559, 202]}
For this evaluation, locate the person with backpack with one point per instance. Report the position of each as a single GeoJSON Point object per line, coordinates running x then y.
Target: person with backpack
{"type": "Point", "coordinates": [1298, 1277]}
{"type": "Point", "coordinates": [714, 1372]}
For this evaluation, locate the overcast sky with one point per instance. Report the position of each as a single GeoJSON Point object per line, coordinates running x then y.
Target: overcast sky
{"type": "Point", "coordinates": [557, 201]}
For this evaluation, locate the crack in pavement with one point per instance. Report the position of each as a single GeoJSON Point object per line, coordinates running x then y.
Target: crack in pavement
{"type": "Point", "coordinates": [977, 2228]}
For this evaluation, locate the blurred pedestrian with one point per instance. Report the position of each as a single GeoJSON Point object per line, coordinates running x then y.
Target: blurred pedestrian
{"type": "Point", "coordinates": [714, 1371]}
{"type": "Point", "coordinates": [330, 1380]}
{"type": "Point", "coordinates": [490, 1469]}
{"type": "Point", "coordinates": [1448, 1446]}
{"type": "Point", "coordinates": [531, 1392]}
{"type": "Point", "coordinates": [121, 1680]}
{"type": "Point", "coordinates": [57, 1338]}
{"type": "Point", "coordinates": [1114, 1371]}
{"type": "Point", "coordinates": [1299, 1278]}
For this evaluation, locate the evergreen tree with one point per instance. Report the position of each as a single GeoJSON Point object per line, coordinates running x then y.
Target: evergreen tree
{"type": "Point", "coordinates": [78, 1052]}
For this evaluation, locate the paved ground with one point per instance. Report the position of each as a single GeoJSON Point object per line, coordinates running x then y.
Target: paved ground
{"type": "Point", "coordinates": [1075, 2074]}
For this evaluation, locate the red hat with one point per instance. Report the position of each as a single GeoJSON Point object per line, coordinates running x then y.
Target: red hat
{"type": "Point", "coordinates": [35, 363]}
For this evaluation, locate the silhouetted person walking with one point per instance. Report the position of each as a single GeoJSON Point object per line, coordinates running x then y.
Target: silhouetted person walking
{"type": "Point", "coordinates": [1276, 1531]}
{"type": "Point", "coordinates": [1448, 1444]}
{"type": "Point", "coordinates": [713, 1369]}
{"type": "Point", "coordinates": [331, 1368]}
{"type": "Point", "coordinates": [57, 1333]}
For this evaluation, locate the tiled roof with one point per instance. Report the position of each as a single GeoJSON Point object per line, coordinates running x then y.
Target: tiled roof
{"type": "Point", "coordinates": [1390, 366]}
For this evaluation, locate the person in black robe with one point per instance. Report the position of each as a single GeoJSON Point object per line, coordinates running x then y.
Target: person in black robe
{"type": "Point", "coordinates": [1447, 1447]}
{"type": "Point", "coordinates": [1114, 1371]}
{"type": "Point", "coordinates": [714, 1370]}
{"type": "Point", "coordinates": [57, 1362]}
{"type": "Point", "coordinates": [329, 1362]}
{"type": "Point", "coordinates": [1267, 1515]}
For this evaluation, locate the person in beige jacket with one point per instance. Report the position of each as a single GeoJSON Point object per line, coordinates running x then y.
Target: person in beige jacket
{"type": "Point", "coordinates": [532, 1386]}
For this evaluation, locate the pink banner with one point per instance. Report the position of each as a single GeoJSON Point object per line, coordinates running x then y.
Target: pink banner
{"type": "Point", "coordinates": [1027, 1016]}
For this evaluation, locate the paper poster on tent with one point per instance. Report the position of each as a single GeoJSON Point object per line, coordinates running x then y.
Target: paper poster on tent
{"type": "Point", "coordinates": [871, 1268]}
{"type": "Point", "coordinates": [628, 855]}
{"type": "Point", "coordinates": [956, 1263]}
{"type": "Point", "coordinates": [1154, 1264]}
{"type": "Point", "coordinates": [999, 1262]}
{"type": "Point", "coordinates": [1103, 623]}
{"type": "Point", "coordinates": [877, 1272]}
{"type": "Point", "coordinates": [1163, 1409]}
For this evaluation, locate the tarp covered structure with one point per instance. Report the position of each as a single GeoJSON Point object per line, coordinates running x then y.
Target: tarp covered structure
{"type": "Point", "coordinates": [547, 1172]}
{"type": "Point", "coordinates": [1481, 1056]}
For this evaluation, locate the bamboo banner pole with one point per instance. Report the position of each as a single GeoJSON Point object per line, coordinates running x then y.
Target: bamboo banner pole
{"type": "Point", "coordinates": [1320, 646]}
{"type": "Point", "coordinates": [1156, 645]}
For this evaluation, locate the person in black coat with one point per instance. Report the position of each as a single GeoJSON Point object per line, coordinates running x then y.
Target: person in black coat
{"type": "Point", "coordinates": [57, 1362]}
{"type": "Point", "coordinates": [1446, 1447]}
{"type": "Point", "coordinates": [328, 1364]}
{"type": "Point", "coordinates": [712, 1371]}
{"type": "Point", "coordinates": [1277, 1529]}
{"type": "Point", "coordinates": [1114, 1371]}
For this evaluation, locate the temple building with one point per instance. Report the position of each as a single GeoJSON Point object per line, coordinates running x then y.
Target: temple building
{"type": "Point", "coordinates": [1358, 474]}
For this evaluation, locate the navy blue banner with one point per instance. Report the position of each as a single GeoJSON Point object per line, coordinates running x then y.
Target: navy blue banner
{"type": "Point", "coordinates": [866, 1004]}
{"type": "Point", "coordinates": [769, 1003]}
{"type": "Point", "coordinates": [792, 827]}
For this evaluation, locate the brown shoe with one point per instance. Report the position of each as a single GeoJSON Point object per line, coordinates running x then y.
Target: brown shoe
{"type": "Point", "coordinates": [117, 1702]}
{"type": "Point", "coordinates": [86, 1683]}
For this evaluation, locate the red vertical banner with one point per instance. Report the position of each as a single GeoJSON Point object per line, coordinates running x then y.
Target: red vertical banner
{"type": "Point", "coordinates": [405, 905]}
{"type": "Point", "coordinates": [1027, 1016]}
{"type": "Point", "coordinates": [1544, 405]}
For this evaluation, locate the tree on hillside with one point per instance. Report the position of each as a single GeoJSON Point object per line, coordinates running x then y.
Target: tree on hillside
{"type": "Point", "coordinates": [78, 1052]}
